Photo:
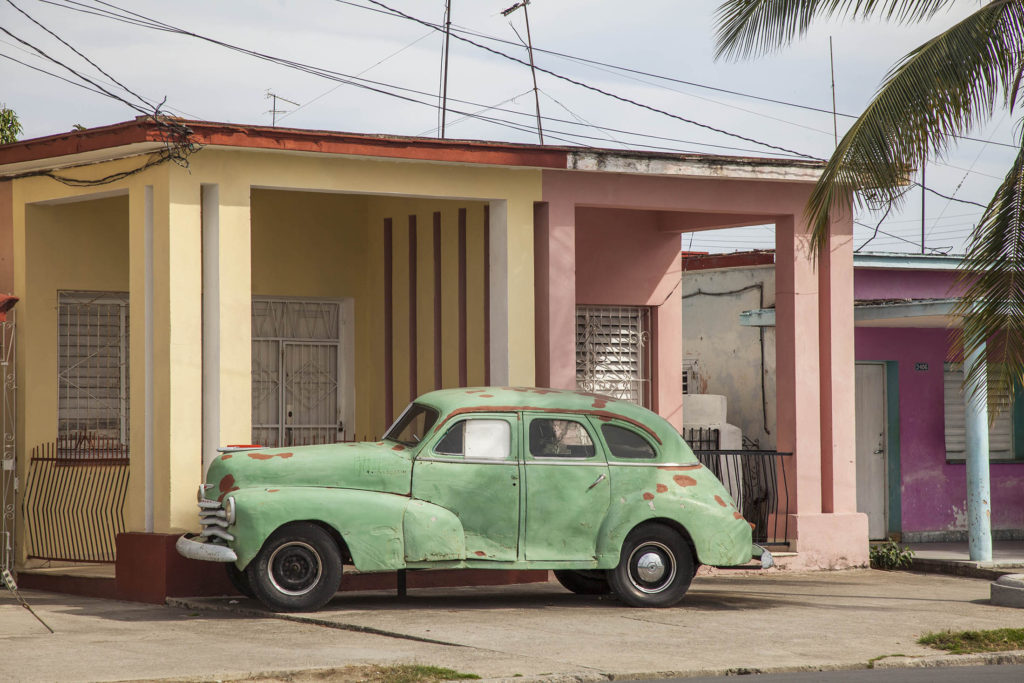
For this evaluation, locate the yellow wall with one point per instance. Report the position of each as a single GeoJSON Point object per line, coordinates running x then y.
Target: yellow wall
{"type": "Point", "coordinates": [323, 241]}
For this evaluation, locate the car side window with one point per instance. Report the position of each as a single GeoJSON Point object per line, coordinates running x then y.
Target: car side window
{"type": "Point", "coordinates": [482, 439]}
{"type": "Point", "coordinates": [560, 439]}
{"type": "Point", "coordinates": [626, 444]}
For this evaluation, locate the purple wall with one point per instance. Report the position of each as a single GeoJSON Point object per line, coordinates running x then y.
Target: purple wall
{"type": "Point", "coordinates": [933, 492]}
{"type": "Point", "coordinates": [871, 283]}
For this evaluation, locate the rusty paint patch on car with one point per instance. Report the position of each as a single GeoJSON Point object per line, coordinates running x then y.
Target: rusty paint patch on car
{"type": "Point", "coordinates": [684, 480]}
{"type": "Point", "coordinates": [268, 456]}
{"type": "Point", "coordinates": [720, 501]}
{"type": "Point", "coordinates": [226, 486]}
{"type": "Point", "coordinates": [661, 488]}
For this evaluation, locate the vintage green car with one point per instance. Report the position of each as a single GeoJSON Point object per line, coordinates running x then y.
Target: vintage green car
{"type": "Point", "coordinates": [605, 493]}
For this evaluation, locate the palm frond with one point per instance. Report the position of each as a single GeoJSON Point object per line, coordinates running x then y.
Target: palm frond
{"type": "Point", "coordinates": [940, 90]}
{"type": "Point", "coordinates": [752, 27]}
{"type": "Point", "coordinates": [992, 305]}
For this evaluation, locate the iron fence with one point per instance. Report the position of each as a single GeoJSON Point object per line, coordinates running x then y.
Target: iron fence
{"type": "Point", "coordinates": [755, 479]}
{"type": "Point", "coordinates": [74, 499]}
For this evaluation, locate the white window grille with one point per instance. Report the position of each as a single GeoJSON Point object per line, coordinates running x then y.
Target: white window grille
{"type": "Point", "coordinates": [1000, 434]}
{"type": "Point", "coordinates": [296, 383]}
{"type": "Point", "coordinates": [92, 368]}
{"type": "Point", "coordinates": [613, 355]}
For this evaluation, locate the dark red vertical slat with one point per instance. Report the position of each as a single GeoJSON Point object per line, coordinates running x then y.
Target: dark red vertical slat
{"type": "Point", "coordinates": [463, 361]}
{"type": "Point", "coordinates": [389, 342]}
{"type": "Point", "coordinates": [437, 300]}
{"type": "Point", "coordinates": [487, 295]}
{"type": "Point", "coordinates": [413, 367]}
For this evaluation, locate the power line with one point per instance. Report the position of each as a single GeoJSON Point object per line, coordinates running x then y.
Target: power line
{"type": "Point", "coordinates": [594, 62]}
{"type": "Point", "coordinates": [599, 90]}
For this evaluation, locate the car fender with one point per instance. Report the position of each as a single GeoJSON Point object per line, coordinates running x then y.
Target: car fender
{"type": "Point", "coordinates": [693, 499]}
{"type": "Point", "coordinates": [432, 533]}
{"type": "Point", "coordinates": [369, 522]}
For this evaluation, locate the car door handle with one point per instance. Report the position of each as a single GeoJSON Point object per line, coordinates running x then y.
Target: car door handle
{"type": "Point", "coordinates": [879, 451]}
{"type": "Point", "coordinates": [596, 482]}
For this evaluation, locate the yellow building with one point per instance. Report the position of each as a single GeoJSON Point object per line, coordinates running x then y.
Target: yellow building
{"type": "Point", "coordinates": [185, 285]}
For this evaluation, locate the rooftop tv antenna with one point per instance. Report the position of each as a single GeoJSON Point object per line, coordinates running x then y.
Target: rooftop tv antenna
{"type": "Point", "coordinates": [529, 48]}
{"type": "Point", "coordinates": [274, 111]}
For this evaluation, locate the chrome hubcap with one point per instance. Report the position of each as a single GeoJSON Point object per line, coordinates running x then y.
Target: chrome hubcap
{"type": "Point", "coordinates": [295, 568]}
{"type": "Point", "coordinates": [652, 567]}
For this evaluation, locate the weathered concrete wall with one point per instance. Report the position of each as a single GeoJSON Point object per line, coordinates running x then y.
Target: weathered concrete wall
{"type": "Point", "coordinates": [726, 356]}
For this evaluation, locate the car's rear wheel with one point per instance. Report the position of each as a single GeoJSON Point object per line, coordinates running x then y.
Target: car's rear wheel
{"type": "Point", "coordinates": [239, 579]}
{"type": "Point", "coordinates": [584, 582]}
{"type": "Point", "coordinates": [297, 570]}
{"type": "Point", "coordinates": [655, 567]}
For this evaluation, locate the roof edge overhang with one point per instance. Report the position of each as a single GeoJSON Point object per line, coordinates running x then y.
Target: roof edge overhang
{"type": "Point", "coordinates": [144, 135]}
{"type": "Point", "coordinates": [921, 313]}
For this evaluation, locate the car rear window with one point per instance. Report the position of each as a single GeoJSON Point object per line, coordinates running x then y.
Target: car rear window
{"type": "Point", "coordinates": [626, 444]}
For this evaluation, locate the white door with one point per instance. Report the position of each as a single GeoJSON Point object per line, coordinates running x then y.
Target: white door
{"type": "Point", "coordinates": [872, 489]}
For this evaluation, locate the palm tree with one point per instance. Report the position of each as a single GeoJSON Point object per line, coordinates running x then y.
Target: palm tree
{"type": "Point", "coordinates": [937, 92]}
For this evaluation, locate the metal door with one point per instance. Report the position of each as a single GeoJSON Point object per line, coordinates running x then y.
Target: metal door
{"type": "Point", "coordinates": [297, 381]}
{"type": "Point", "coordinates": [872, 488]}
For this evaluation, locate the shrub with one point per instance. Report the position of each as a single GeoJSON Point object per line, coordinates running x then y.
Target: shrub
{"type": "Point", "coordinates": [890, 555]}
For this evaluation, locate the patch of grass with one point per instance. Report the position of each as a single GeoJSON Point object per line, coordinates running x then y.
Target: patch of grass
{"type": "Point", "coordinates": [966, 642]}
{"type": "Point", "coordinates": [416, 673]}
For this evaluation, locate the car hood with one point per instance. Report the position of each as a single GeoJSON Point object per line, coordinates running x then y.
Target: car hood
{"type": "Point", "coordinates": [383, 466]}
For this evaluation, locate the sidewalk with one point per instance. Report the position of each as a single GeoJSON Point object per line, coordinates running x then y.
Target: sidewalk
{"type": "Point", "coordinates": [776, 620]}
{"type": "Point", "coordinates": [955, 559]}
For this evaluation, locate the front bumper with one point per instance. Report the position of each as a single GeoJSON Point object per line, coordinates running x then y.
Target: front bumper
{"type": "Point", "coordinates": [767, 561]}
{"type": "Point", "coordinates": [188, 547]}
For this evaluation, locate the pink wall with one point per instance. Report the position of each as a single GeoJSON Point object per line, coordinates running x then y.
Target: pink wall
{"type": "Point", "coordinates": [622, 258]}
{"type": "Point", "coordinates": [871, 283]}
{"type": "Point", "coordinates": [933, 492]}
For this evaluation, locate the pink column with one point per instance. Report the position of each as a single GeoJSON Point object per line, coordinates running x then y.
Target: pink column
{"type": "Point", "coordinates": [555, 293]}
{"type": "Point", "coordinates": [796, 358]}
{"type": "Point", "coordinates": [838, 430]}
{"type": "Point", "coordinates": [668, 348]}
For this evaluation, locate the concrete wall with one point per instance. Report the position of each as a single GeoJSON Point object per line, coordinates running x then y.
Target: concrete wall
{"type": "Point", "coordinates": [727, 356]}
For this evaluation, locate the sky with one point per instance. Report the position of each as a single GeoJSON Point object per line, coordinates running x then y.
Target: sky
{"type": "Point", "coordinates": [668, 45]}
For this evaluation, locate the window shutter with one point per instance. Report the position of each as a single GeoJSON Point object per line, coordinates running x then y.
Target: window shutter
{"type": "Point", "coordinates": [1000, 434]}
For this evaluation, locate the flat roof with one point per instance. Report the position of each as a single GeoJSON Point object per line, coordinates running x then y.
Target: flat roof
{"type": "Point", "coordinates": [143, 135]}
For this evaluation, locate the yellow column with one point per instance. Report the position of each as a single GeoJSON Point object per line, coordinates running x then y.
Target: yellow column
{"type": "Point", "coordinates": [512, 301]}
{"type": "Point", "coordinates": [227, 311]}
{"type": "Point", "coordinates": [138, 512]}
{"type": "Point", "coordinates": [177, 352]}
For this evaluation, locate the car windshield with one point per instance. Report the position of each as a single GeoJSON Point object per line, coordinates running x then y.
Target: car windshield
{"type": "Point", "coordinates": [412, 425]}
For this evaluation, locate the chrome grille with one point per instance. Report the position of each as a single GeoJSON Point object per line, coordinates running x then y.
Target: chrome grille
{"type": "Point", "coordinates": [215, 517]}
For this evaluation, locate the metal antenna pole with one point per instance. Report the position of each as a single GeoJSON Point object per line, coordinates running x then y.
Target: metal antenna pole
{"type": "Point", "coordinates": [274, 111]}
{"type": "Point", "coordinates": [923, 194]}
{"type": "Point", "coordinates": [529, 49]}
{"type": "Point", "coordinates": [832, 68]}
{"type": "Point", "coordinates": [447, 39]}
{"type": "Point", "coordinates": [533, 70]}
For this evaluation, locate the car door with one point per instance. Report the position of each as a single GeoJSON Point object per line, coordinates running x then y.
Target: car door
{"type": "Point", "coordinates": [567, 487]}
{"type": "Point", "coordinates": [472, 468]}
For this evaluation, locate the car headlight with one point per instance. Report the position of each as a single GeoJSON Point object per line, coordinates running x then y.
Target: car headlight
{"type": "Point", "coordinates": [229, 510]}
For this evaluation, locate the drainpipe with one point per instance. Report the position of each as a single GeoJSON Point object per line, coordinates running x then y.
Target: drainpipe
{"type": "Point", "coordinates": [979, 509]}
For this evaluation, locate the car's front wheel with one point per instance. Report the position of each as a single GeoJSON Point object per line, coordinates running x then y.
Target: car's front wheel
{"type": "Point", "coordinates": [297, 570]}
{"type": "Point", "coordinates": [655, 567]}
{"type": "Point", "coordinates": [239, 579]}
{"type": "Point", "coordinates": [584, 582]}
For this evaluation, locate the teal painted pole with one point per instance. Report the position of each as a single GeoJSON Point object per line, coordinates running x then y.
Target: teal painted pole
{"type": "Point", "coordinates": [979, 508]}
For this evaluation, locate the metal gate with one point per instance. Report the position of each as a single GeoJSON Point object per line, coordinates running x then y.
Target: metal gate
{"type": "Point", "coordinates": [297, 395]}
{"type": "Point", "coordinates": [613, 351]}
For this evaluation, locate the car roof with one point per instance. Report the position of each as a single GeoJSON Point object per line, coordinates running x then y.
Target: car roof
{"type": "Point", "coordinates": [448, 401]}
